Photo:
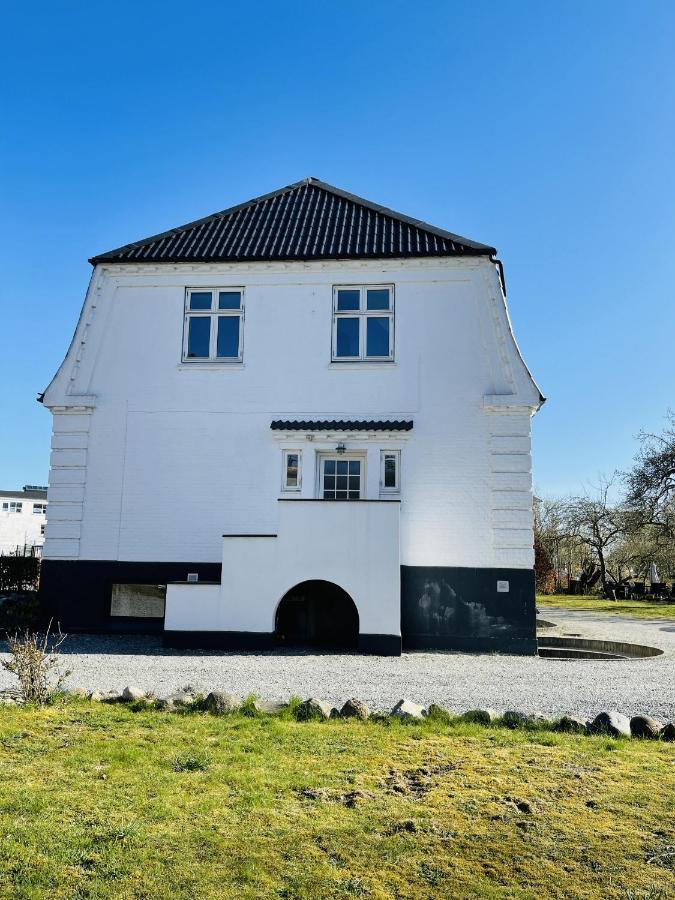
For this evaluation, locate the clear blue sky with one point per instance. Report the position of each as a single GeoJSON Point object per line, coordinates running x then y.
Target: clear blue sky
{"type": "Point", "coordinates": [544, 129]}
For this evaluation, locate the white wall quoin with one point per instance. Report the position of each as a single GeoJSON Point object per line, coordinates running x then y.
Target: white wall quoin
{"type": "Point", "coordinates": [67, 479]}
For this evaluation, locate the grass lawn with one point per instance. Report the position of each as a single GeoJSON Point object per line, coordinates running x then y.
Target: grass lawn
{"type": "Point", "coordinates": [637, 609]}
{"type": "Point", "coordinates": [100, 801]}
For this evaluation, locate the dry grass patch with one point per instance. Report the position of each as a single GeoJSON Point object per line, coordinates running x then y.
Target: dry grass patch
{"type": "Point", "coordinates": [102, 802]}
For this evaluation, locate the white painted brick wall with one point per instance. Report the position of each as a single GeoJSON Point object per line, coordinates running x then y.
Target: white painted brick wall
{"type": "Point", "coordinates": [172, 456]}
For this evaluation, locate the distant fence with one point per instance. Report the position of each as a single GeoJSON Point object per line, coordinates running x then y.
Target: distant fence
{"type": "Point", "coordinates": [19, 573]}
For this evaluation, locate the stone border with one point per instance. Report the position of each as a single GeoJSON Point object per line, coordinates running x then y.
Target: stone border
{"type": "Point", "coordinates": [607, 722]}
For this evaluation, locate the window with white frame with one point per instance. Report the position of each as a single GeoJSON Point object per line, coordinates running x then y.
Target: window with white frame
{"type": "Point", "coordinates": [214, 319]}
{"type": "Point", "coordinates": [292, 470]}
{"type": "Point", "coordinates": [42, 529]}
{"type": "Point", "coordinates": [363, 323]}
{"type": "Point", "coordinates": [341, 478]}
{"type": "Point", "coordinates": [12, 506]}
{"type": "Point", "coordinates": [39, 508]}
{"type": "Point", "coordinates": [390, 471]}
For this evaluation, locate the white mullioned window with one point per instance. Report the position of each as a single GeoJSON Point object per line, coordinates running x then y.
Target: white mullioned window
{"type": "Point", "coordinates": [291, 479]}
{"type": "Point", "coordinates": [39, 508]}
{"type": "Point", "coordinates": [390, 471]}
{"type": "Point", "coordinates": [214, 320]}
{"type": "Point", "coordinates": [12, 506]}
{"type": "Point", "coordinates": [341, 477]}
{"type": "Point", "coordinates": [363, 323]}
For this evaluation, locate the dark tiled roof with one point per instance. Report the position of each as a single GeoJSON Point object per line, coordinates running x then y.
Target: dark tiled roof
{"type": "Point", "coordinates": [341, 425]}
{"type": "Point", "coordinates": [29, 494]}
{"type": "Point", "coordinates": [306, 220]}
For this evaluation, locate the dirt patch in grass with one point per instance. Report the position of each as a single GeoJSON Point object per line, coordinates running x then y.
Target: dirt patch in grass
{"type": "Point", "coordinates": [101, 802]}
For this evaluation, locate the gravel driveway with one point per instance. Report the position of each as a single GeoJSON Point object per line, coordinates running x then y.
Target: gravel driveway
{"type": "Point", "coordinates": [458, 681]}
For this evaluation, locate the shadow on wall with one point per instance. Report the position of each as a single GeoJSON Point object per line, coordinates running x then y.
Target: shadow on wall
{"type": "Point", "coordinates": [457, 608]}
{"type": "Point", "coordinates": [440, 610]}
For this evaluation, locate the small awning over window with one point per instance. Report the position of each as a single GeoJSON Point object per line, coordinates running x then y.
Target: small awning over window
{"type": "Point", "coordinates": [341, 425]}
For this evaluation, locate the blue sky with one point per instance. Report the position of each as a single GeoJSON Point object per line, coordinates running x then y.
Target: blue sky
{"type": "Point", "coordinates": [544, 129]}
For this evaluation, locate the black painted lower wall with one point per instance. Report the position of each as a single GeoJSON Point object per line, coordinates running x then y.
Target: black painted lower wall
{"type": "Point", "coordinates": [441, 607]}
{"type": "Point", "coordinates": [379, 644]}
{"type": "Point", "coordinates": [77, 592]}
{"type": "Point", "coordinates": [460, 609]}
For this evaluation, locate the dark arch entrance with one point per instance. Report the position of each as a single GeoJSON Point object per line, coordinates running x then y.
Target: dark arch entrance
{"type": "Point", "coordinates": [317, 614]}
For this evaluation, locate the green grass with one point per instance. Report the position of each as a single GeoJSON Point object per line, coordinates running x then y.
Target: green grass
{"type": "Point", "coordinates": [637, 609]}
{"type": "Point", "coordinates": [98, 801]}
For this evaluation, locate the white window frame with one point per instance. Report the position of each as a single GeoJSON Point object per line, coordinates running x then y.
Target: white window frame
{"type": "Point", "coordinates": [40, 510]}
{"type": "Point", "coordinates": [397, 456]}
{"type": "Point", "coordinates": [322, 456]}
{"type": "Point", "coordinates": [363, 314]}
{"type": "Point", "coordinates": [285, 487]}
{"type": "Point", "coordinates": [215, 314]}
{"type": "Point", "coordinates": [12, 506]}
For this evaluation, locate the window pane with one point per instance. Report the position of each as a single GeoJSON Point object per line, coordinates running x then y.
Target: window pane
{"type": "Point", "coordinates": [201, 300]}
{"type": "Point", "coordinates": [377, 336]}
{"type": "Point", "coordinates": [378, 299]}
{"type": "Point", "coordinates": [229, 300]}
{"type": "Point", "coordinates": [329, 467]}
{"type": "Point", "coordinates": [291, 470]}
{"type": "Point", "coordinates": [228, 337]}
{"type": "Point", "coordinates": [390, 471]}
{"type": "Point", "coordinates": [347, 343]}
{"type": "Point", "coordinates": [354, 495]}
{"type": "Point", "coordinates": [198, 337]}
{"type": "Point", "coordinates": [329, 482]}
{"type": "Point", "coordinates": [342, 467]}
{"type": "Point", "coordinates": [354, 467]}
{"type": "Point", "coordinates": [348, 300]}
{"type": "Point", "coordinates": [341, 495]}
{"type": "Point", "coordinates": [354, 482]}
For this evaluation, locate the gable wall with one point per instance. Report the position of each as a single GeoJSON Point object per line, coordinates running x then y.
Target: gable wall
{"type": "Point", "coordinates": [175, 455]}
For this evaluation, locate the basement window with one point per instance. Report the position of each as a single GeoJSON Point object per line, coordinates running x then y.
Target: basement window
{"type": "Point", "coordinates": [213, 330]}
{"type": "Point", "coordinates": [138, 601]}
{"type": "Point", "coordinates": [363, 323]}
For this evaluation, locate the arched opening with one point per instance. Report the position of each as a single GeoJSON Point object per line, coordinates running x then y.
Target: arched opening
{"type": "Point", "coordinates": [317, 614]}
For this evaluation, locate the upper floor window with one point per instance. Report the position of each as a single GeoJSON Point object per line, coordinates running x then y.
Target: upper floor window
{"type": "Point", "coordinates": [213, 324]}
{"type": "Point", "coordinates": [12, 506]}
{"type": "Point", "coordinates": [363, 322]}
{"type": "Point", "coordinates": [292, 470]}
{"type": "Point", "coordinates": [39, 508]}
{"type": "Point", "coordinates": [390, 471]}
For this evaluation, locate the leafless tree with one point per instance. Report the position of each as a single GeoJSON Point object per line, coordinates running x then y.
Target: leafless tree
{"type": "Point", "coordinates": [651, 481]}
{"type": "Point", "coordinates": [598, 523]}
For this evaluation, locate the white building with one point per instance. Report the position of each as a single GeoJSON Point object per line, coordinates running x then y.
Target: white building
{"type": "Point", "coordinates": [23, 515]}
{"type": "Point", "coordinates": [305, 346]}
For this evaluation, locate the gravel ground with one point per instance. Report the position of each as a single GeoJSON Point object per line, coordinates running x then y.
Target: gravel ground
{"type": "Point", "coordinates": [458, 681]}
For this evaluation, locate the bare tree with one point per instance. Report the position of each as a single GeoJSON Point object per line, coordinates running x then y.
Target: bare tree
{"type": "Point", "coordinates": [651, 481]}
{"type": "Point", "coordinates": [598, 523]}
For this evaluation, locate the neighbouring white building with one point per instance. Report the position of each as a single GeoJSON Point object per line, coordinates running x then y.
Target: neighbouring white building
{"type": "Point", "coordinates": [315, 408]}
{"type": "Point", "coordinates": [23, 515]}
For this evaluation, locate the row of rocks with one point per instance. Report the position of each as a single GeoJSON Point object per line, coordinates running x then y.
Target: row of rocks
{"type": "Point", "coordinates": [611, 723]}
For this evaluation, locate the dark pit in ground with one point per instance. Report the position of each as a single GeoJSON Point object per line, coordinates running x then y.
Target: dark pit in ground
{"type": "Point", "coordinates": [569, 647]}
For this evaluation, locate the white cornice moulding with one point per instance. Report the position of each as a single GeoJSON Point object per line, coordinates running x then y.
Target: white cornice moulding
{"type": "Point", "coordinates": [506, 403]}
{"type": "Point", "coordinates": [74, 403]}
